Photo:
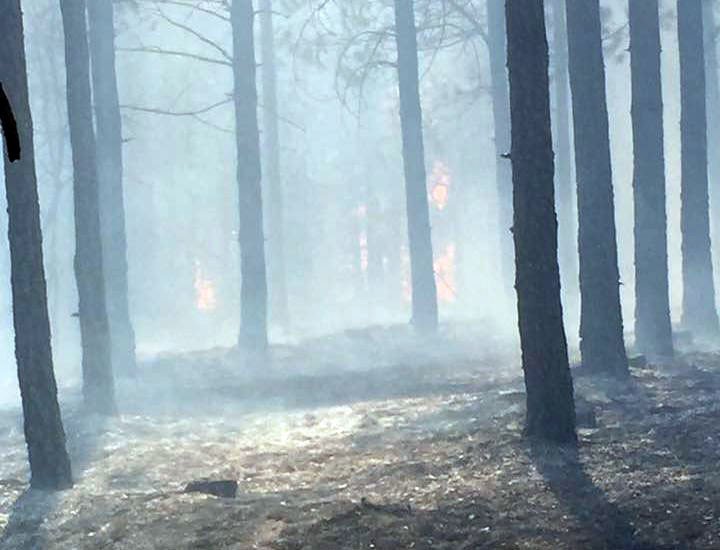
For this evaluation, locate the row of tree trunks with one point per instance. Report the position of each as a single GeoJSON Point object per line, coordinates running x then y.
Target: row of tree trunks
{"type": "Point", "coordinates": [110, 176]}
{"type": "Point", "coordinates": [98, 383]}
{"type": "Point", "coordinates": [601, 328]}
{"type": "Point", "coordinates": [44, 434]}
{"type": "Point", "coordinates": [253, 292]}
{"type": "Point", "coordinates": [699, 309]}
{"type": "Point", "coordinates": [548, 383]}
{"type": "Point", "coordinates": [653, 330]}
{"type": "Point", "coordinates": [424, 292]}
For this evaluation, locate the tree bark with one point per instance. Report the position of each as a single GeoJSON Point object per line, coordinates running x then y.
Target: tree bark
{"type": "Point", "coordinates": [653, 330]}
{"type": "Point", "coordinates": [253, 292]}
{"type": "Point", "coordinates": [549, 387]}
{"type": "Point", "coordinates": [110, 174]}
{"type": "Point", "coordinates": [496, 42]}
{"type": "Point", "coordinates": [699, 310]}
{"type": "Point", "coordinates": [44, 434]}
{"type": "Point", "coordinates": [601, 328]}
{"type": "Point", "coordinates": [274, 185]}
{"type": "Point", "coordinates": [98, 383]}
{"type": "Point", "coordinates": [424, 291]}
{"type": "Point", "coordinates": [563, 158]}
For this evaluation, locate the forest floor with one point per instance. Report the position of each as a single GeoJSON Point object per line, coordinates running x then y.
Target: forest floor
{"type": "Point", "coordinates": [365, 441]}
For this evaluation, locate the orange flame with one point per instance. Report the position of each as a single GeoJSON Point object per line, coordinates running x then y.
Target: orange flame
{"type": "Point", "coordinates": [205, 298]}
{"type": "Point", "coordinates": [444, 266]}
{"type": "Point", "coordinates": [440, 180]}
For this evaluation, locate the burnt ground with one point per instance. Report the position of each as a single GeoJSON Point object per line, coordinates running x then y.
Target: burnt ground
{"type": "Point", "coordinates": [365, 442]}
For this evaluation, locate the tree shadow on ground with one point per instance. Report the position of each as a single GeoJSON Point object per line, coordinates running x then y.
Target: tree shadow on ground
{"type": "Point", "coordinates": [29, 512]}
{"type": "Point", "coordinates": [606, 525]}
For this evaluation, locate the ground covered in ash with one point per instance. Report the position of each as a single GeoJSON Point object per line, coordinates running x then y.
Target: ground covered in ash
{"type": "Point", "coordinates": [370, 440]}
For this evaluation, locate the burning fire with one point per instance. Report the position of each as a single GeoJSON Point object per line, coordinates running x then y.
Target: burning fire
{"type": "Point", "coordinates": [444, 266]}
{"type": "Point", "coordinates": [440, 180]}
{"type": "Point", "coordinates": [205, 298]}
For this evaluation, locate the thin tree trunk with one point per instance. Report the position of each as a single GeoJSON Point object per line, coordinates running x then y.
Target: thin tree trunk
{"type": "Point", "coordinates": [699, 311]}
{"type": "Point", "coordinates": [274, 186]}
{"type": "Point", "coordinates": [550, 402]}
{"type": "Point", "coordinates": [98, 384]}
{"type": "Point", "coordinates": [653, 330]}
{"type": "Point", "coordinates": [601, 328]}
{"type": "Point", "coordinates": [496, 41]}
{"type": "Point", "coordinates": [44, 434]}
{"type": "Point", "coordinates": [253, 292]}
{"type": "Point", "coordinates": [563, 157]}
{"type": "Point", "coordinates": [110, 174]}
{"type": "Point", "coordinates": [424, 292]}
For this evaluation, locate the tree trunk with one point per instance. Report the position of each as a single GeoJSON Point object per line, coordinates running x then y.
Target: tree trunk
{"type": "Point", "coordinates": [601, 328]}
{"type": "Point", "coordinates": [110, 174]}
{"type": "Point", "coordinates": [44, 434]}
{"type": "Point", "coordinates": [563, 158]}
{"type": "Point", "coordinates": [253, 292]}
{"type": "Point", "coordinates": [424, 292]}
{"type": "Point", "coordinates": [496, 42]}
{"type": "Point", "coordinates": [98, 384]}
{"type": "Point", "coordinates": [274, 186]}
{"type": "Point", "coordinates": [550, 403]}
{"type": "Point", "coordinates": [653, 330]}
{"type": "Point", "coordinates": [699, 312]}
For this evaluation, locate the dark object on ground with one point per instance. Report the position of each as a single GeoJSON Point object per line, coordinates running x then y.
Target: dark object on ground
{"type": "Point", "coordinates": [226, 488]}
{"type": "Point", "coordinates": [639, 361]}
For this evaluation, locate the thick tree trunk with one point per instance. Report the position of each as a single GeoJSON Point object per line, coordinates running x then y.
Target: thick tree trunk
{"type": "Point", "coordinates": [496, 42]}
{"type": "Point", "coordinates": [601, 328]}
{"type": "Point", "coordinates": [98, 384]}
{"type": "Point", "coordinates": [424, 292]}
{"type": "Point", "coordinates": [653, 330]}
{"type": "Point", "coordinates": [44, 434]}
{"type": "Point", "coordinates": [699, 311]}
{"type": "Point", "coordinates": [563, 158]}
{"type": "Point", "coordinates": [550, 403]}
{"type": "Point", "coordinates": [274, 186]}
{"type": "Point", "coordinates": [253, 292]}
{"type": "Point", "coordinates": [110, 174]}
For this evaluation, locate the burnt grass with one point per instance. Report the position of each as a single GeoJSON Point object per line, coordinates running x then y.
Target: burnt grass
{"type": "Point", "coordinates": [644, 476]}
{"type": "Point", "coordinates": [417, 453]}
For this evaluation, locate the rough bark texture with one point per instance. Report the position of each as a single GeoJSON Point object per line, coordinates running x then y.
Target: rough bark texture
{"type": "Point", "coordinates": [653, 330]}
{"type": "Point", "coordinates": [497, 49]}
{"type": "Point", "coordinates": [563, 157]}
{"type": "Point", "coordinates": [98, 384]}
{"type": "Point", "coordinates": [49, 462]}
{"type": "Point", "coordinates": [550, 402]}
{"type": "Point", "coordinates": [699, 312]}
{"type": "Point", "coordinates": [424, 292]}
{"type": "Point", "coordinates": [110, 174]}
{"type": "Point", "coordinates": [601, 328]}
{"type": "Point", "coordinates": [273, 180]}
{"type": "Point", "coordinates": [253, 292]}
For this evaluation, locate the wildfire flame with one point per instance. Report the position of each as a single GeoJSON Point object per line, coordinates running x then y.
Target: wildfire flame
{"type": "Point", "coordinates": [440, 180]}
{"type": "Point", "coordinates": [205, 298]}
{"type": "Point", "coordinates": [444, 266]}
